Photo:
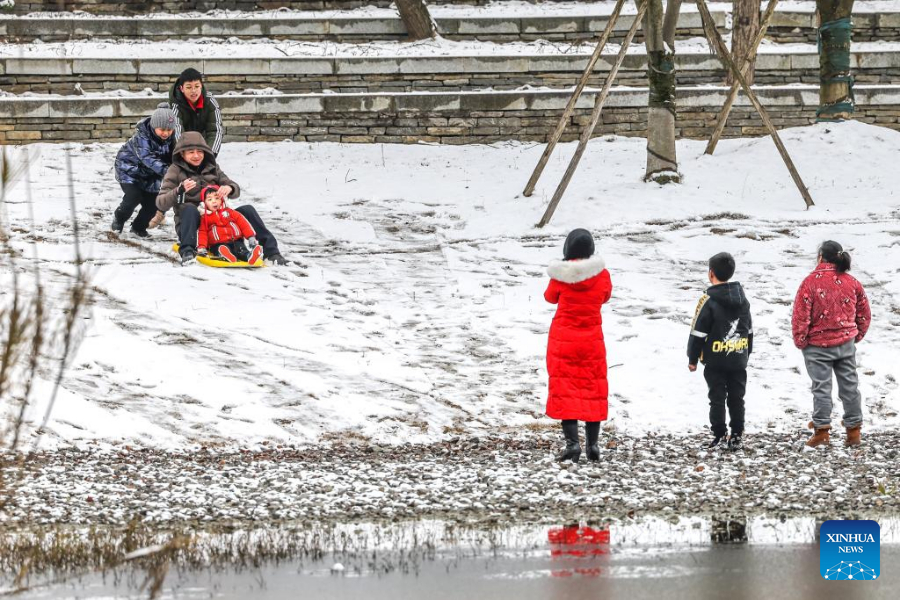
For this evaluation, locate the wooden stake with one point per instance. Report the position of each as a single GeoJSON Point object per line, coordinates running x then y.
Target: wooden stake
{"type": "Point", "coordinates": [570, 107]}
{"type": "Point", "coordinates": [725, 56]}
{"type": "Point", "coordinates": [745, 25]}
{"type": "Point", "coordinates": [736, 85]}
{"type": "Point", "coordinates": [595, 117]}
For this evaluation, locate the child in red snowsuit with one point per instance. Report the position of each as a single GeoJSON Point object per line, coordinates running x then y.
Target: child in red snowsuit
{"type": "Point", "coordinates": [576, 354]}
{"type": "Point", "coordinates": [223, 231]}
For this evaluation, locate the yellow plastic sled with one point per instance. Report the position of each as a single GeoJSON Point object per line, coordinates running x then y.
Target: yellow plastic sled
{"type": "Point", "coordinates": [213, 261]}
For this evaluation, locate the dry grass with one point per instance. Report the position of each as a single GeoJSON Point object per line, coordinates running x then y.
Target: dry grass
{"type": "Point", "coordinates": [40, 558]}
{"type": "Point", "coordinates": [39, 331]}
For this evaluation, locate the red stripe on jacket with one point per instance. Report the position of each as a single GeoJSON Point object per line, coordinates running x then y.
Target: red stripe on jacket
{"type": "Point", "coordinates": [223, 226]}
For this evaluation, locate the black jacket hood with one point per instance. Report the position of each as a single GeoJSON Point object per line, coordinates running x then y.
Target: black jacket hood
{"type": "Point", "coordinates": [722, 330]}
{"type": "Point", "coordinates": [729, 294]}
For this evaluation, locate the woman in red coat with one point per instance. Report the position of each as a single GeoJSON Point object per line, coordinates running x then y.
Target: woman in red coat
{"type": "Point", "coordinates": [576, 354]}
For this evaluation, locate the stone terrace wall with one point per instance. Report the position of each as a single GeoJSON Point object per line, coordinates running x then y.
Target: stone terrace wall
{"type": "Point", "coordinates": [341, 27]}
{"type": "Point", "coordinates": [784, 35]}
{"type": "Point", "coordinates": [359, 75]}
{"type": "Point", "coordinates": [791, 27]}
{"type": "Point", "coordinates": [121, 7]}
{"type": "Point", "coordinates": [786, 27]}
{"type": "Point", "coordinates": [440, 118]}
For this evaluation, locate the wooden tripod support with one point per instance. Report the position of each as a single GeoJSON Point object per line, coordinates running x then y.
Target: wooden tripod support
{"type": "Point", "coordinates": [715, 40]}
{"type": "Point", "coordinates": [595, 117]}
{"type": "Point", "coordinates": [712, 34]}
{"type": "Point", "coordinates": [570, 107]}
{"type": "Point", "coordinates": [745, 69]}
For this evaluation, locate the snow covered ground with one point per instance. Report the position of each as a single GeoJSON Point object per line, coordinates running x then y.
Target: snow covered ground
{"type": "Point", "coordinates": [414, 310]}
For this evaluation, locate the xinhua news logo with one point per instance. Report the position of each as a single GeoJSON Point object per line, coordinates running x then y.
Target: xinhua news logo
{"type": "Point", "coordinates": [850, 550]}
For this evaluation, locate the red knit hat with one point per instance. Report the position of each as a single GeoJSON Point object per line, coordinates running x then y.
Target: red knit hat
{"type": "Point", "coordinates": [206, 190]}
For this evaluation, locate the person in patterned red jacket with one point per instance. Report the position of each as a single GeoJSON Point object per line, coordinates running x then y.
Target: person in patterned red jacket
{"type": "Point", "coordinates": [223, 231]}
{"type": "Point", "coordinates": [831, 315]}
{"type": "Point", "coordinates": [576, 354]}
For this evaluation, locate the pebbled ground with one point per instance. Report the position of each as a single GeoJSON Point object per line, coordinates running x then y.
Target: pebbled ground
{"type": "Point", "coordinates": [475, 480]}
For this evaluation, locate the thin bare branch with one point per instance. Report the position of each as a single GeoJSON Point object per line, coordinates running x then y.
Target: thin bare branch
{"type": "Point", "coordinates": [78, 298]}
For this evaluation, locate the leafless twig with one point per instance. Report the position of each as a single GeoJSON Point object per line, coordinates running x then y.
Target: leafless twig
{"type": "Point", "coordinates": [32, 343]}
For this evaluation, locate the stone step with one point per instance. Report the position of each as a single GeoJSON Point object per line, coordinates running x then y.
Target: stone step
{"type": "Point", "coordinates": [122, 7]}
{"type": "Point", "coordinates": [367, 74]}
{"type": "Point", "coordinates": [452, 118]}
{"type": "Point", "coordinates": [786, 26]}
{"type": "Point", "coordinates": [340, 28]}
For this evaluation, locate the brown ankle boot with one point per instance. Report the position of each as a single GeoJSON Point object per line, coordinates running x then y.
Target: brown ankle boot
{"type": "Point", "coordinates": [853, 436]}
{"type": "Point", "coordinates": [820, 437]}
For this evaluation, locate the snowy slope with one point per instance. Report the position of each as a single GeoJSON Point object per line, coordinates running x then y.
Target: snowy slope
{"type": "Point", "coordinates": [416, 308]}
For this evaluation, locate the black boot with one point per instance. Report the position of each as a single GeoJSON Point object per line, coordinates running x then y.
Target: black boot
{"type": "Point", "coordinates": [188, 255]}
{"type": "Point", "coordinates": [719, 441]}
{"type": "Point", "coordinates": [573, 448]}
{"type": "Point", "coordinates": [591, 435]}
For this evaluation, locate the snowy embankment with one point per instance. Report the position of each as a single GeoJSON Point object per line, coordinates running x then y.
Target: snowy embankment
{"type": "Point", "coordinates": [415, 308]}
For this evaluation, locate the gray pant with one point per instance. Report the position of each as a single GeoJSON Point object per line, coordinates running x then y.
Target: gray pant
{"type": "Point", "coordinates": [841, 360]}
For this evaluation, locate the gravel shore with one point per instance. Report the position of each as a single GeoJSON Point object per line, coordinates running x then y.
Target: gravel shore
{"type": "Point", "coordinates": [476, 480]}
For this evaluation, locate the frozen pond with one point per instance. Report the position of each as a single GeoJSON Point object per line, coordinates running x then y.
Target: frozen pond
{"type": "Point", "coordinates": [681, 558]}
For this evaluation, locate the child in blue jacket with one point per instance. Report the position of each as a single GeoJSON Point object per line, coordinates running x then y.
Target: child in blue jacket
{"type": "Point", "coordinates": [141, 165]}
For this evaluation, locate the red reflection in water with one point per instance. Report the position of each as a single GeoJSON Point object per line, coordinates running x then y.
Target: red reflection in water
{"type": "Point", "coordinates": [577, 542]}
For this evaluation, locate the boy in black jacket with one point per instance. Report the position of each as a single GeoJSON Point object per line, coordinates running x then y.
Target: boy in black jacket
{"type": "Point", "coordinates": [722, 339]}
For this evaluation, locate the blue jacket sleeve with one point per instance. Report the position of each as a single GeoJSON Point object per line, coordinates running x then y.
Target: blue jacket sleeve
{"type": "Point", "coordinates": [156, 159]}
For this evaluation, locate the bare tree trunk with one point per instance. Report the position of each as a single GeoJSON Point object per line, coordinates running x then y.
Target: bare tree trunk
{"type": "Point", "coordinates": [745, 18]}
{"type": "Point", "coordinates": [662, 164]}
{"type": "Point", "coordinates": [836, 81]}
{"type": "Point", "coordinates": [417, 19]}
{"type": "Point", "coordinates": [733, 92]}
{"type": "Point", "coordinates": [670, 25]}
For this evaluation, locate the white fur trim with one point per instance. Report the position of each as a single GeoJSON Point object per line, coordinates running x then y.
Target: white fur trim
{"type": "Point", "coordinates": [575, 271]}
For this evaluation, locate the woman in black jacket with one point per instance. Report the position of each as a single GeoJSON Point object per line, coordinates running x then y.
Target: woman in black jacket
{"type": "Point", "coordinates": [196, 109]}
